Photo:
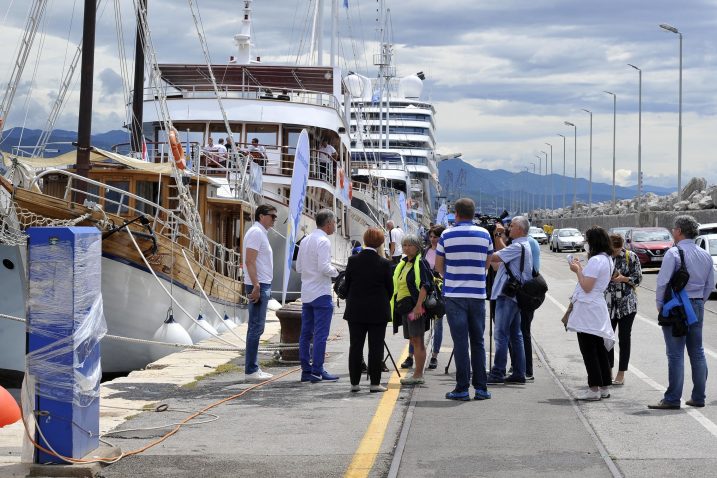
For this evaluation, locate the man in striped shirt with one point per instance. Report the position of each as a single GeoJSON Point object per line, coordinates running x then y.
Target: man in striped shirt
{"type": "Point", "coordinates": [461, 257]}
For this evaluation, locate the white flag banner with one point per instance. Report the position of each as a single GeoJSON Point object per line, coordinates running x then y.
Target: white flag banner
{"type": "Point", "coordinates": [343, 187]}
{"type": "Point", "coordinates": [257, 178]}
{"type": "Point", "coordinates": [299, 180]}
{"type": "Point", "coordinates": [442, 215]}
{"type": "Point", "coordinates": [402, 206]}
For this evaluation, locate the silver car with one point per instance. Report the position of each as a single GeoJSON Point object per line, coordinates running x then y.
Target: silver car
{"type": "Point", "coordinates": [567, 238]}
{"type": "Point", "coordinates": [708, 242]}
{"type": "Point", "coordinates": [538, 234]}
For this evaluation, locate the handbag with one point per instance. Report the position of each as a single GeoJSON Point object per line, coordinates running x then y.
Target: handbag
{"type": "Point", "coordinates": [529, 295]}
{"type": "Point", "coordinates": [404, 306]}
{"type": "Point", "coordinates": [434, 304]}
{"type": "Point", "coordinates": [566, 315]}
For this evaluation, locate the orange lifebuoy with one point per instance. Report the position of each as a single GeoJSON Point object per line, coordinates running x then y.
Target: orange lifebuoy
{"type": "Point", "coordinates": [351, 190]}
{"type": "Point", "coordinates": [177, 150]}
{"type": "Point", "coordinates": [341, 178]}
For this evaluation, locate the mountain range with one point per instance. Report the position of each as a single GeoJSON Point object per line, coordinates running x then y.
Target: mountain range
{"type": "Point", "coordinates": [495, 190]}
{"type": "Point", "coordinates": [60, 140]}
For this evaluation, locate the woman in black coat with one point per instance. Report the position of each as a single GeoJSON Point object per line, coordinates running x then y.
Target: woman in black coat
{"type": "Point", "coordinates": [369, 287]}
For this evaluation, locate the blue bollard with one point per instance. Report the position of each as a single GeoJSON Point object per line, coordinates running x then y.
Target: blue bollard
{"type": "Point", "coordinates": [65, 324]}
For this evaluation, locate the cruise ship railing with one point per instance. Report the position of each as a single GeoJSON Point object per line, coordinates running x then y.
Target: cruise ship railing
{"type": "Point", "coordinates": [164, 221]}
{"type": "Point", "coordinates": [253, 92]}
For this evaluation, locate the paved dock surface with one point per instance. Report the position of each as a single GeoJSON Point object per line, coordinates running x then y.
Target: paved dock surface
{"type": "Point", "coordinates": [288, 428]}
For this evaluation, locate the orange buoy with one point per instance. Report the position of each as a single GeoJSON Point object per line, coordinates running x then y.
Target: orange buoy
{"type": "Point", "coordinates": [341, 178]}
{"type": "Point", "coordinates": [177, 150]}
{"type": "Point", "coordinates": [9, 410]}
{"type": "Point", "coordinates": [351, 190]}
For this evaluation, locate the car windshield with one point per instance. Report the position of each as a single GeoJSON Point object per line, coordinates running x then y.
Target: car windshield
{"type": "Point", "coordinates": [647, 236]}
{"type": "Point", "coordinates": [568, 232]}
{"type": "Point", "coordinates": [712, 246]}
{"type": "Point", "coordinates": [535, 230]}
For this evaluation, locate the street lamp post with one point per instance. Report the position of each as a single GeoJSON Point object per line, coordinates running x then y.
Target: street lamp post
{"type": "Point", "coordinates": [552, 188]}
{"type": "Point", "coordinates": [614, 123]}
{"type": "Point", "coordinates": [532, 196]}
{"type": "Point", "coordinates": [672, 29]}
{"type": "Point", "coordinates": [590, 174]}
{"type": "Point", "coordinates": [545, 193]}
{"type": "Point", "coordinates": [540, 172]}
{"type": "Point", "coordinates": [563, 136]}
{"type": "Point", "coordinates": [575, 166]}
{"type": "Point", "coordinates": [639, 140]}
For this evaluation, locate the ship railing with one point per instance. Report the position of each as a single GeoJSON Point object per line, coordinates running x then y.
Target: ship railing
{"type": "Point", "coordinates": [163, 221]}
{"type": "Point", "coordinates": [253, 92]}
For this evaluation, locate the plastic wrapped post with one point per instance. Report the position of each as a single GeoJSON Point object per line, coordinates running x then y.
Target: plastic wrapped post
{"type": "Point", "coordinates": [65, 324]}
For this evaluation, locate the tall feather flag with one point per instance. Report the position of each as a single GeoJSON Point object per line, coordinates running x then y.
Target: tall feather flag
{"type": "Point", "coordinates": [299, 181]}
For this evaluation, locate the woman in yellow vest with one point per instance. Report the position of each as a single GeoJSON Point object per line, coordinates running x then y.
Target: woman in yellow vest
{"type": "Point", "coordinates": [412, 281]}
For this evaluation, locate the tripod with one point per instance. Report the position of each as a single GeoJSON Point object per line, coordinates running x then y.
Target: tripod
{"type": "Point", "coordinates": [389, 356]}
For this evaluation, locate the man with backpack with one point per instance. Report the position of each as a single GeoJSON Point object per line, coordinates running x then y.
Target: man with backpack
{"type": "Point", "coordinates": [692, 268]}
{"type": "Point", "coordinates": [515, 267]}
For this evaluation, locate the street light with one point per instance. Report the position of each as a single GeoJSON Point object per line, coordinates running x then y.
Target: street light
{"type": "Point", "coordinates": [563, 136]}
{"type": "Point", "coordinates": [545, 193]}
{"type": "Point", "coordinates": [590, 183]}
{"type": "Point", "coordinates": [672, 29]}
{"type": "Point", "coordinates": [552, 187]}
{"type": "Point", "coordinates": [540, 171]}
{"type": "Point", "coordinates": [575, 167]}
{"type": "Point", "coordinates": [614, 117]}
{"type": "Point", "coordinates": [532, 196]}
{"type": "Point", "coordinates": [639, 141]}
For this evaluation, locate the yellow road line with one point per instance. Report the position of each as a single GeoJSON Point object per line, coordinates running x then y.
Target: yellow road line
{"type": "Point", "coordinates": [368, 449]}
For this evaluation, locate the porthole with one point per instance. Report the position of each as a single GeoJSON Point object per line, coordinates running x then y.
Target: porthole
{"type": "Point", "coordinates": [8, 263]}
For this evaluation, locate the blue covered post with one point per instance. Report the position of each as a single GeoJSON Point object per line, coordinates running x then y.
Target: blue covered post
{"type": "Point", "coordinates": [65, 324]}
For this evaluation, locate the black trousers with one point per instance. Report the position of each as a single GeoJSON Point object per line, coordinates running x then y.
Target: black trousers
{"type": "Point", "coordinates": [623, 334]}
{"type": "Point", "coordinates": [357, 337]}
{"type": "Point", "coordinates": [526, 318]}
{"type": "Point", "coordinates": [596, 360]}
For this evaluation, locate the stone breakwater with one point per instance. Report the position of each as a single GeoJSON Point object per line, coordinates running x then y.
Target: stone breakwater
{"type": "Point", "coordinates": [700, 200]}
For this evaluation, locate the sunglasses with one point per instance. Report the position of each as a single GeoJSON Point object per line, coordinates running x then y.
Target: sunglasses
{"type": "Point", "coordinates": [273, 216]}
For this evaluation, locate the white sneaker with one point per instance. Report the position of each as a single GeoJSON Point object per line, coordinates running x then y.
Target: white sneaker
{"type": "Point", "coordinates": [355, 388]}
{"type": "Point", "coordinates": [377, 389]}
{"type": "Point", "coordinates": [589, 395]}
{"type": "Point", "coordinates": [258, 375]}
{"type": "Point", "coordinates": [604, 392]}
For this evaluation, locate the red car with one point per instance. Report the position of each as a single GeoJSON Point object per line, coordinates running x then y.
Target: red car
{"type": "Point", "coordinates": [649, 243]}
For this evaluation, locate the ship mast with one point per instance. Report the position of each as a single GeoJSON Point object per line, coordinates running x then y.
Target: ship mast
{"type": "Point", "coordinates": [242, 40]}
{"type": "Point", "coordinates": [138, 92]}
{"type": "Point", "coordinates": [84, 126]}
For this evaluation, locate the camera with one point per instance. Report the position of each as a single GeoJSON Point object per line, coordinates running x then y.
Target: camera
{"type": "Point", "coordinates": [488, 222]}
{"type": "Point", "coordinates": [510, 289]}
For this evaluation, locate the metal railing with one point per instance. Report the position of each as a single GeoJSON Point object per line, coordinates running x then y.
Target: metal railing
{"type": "Point", "coordinates": [165, 222]}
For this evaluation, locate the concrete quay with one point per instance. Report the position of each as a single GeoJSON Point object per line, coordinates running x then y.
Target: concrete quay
{"type": "Point", "coordinates": [287, 428]}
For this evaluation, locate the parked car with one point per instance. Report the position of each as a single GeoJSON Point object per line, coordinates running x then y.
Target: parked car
{"type": "Point", "coordinates": [649, 243]}
{"type": "Point", "coordinates": [567, 238]}
{"type": "Point", "coordinates": [710, 228]}
{"type": "Point", "coordinates": [538, 234]}
{"type": "Point", "coordinates": [619, 230]}
{"type": "Point", "coordinates": [708, 242]}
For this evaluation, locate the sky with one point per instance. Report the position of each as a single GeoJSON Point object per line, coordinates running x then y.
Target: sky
{"type": "Point", "coordinates": [504, 75]}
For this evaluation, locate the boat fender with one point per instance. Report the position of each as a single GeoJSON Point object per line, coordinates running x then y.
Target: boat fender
{"type": "Point", "coordinates": [171, 332]}
{"type": "Point", "coordinates": [201, 332]}
{"type": "Point", "coordinates": [177, 150]}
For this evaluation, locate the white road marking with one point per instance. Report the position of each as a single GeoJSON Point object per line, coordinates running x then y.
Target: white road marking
{"type": "Point", "coordinates": [706, 423]}
{"type": "Point", "coordinates": [653, 322]}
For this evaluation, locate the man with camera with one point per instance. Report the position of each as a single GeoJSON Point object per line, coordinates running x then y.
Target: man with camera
{"type": "Point", "coordinates": [697, 290]}
{"type": "Point", "coordinates": [516, 257]}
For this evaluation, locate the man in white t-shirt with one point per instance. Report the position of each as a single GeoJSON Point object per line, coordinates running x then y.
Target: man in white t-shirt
{"type": "Point", "coordinates": [327, 156]}
{"type": "Point", "coordinates": [314, 265]}
{"type": "Point", "coordinates": [395, 238]}
{"type": "Point", "coordinates": [258, 274]}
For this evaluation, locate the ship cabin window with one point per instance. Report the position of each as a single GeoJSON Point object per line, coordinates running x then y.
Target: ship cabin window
{"type": "Point", "coordinates": [115, 201]}
{"type": "Point", "coordinates": [148, 190]}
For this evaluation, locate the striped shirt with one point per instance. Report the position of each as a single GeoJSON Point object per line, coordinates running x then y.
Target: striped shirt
{"type": "Point", "coordinates": [465, 248]}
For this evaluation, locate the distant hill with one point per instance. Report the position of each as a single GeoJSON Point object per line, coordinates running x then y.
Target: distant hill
{"type": "Point", "coordinates": [60, 140]}
{"type": "Point", "coordinates": [496, 190]}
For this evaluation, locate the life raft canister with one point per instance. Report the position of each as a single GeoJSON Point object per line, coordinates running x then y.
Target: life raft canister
{"type": "Point", "coordinates": [177, 150]}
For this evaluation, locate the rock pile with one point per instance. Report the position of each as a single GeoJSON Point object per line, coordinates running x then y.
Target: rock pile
{"type": "Point", "coordinates": [698, 195]}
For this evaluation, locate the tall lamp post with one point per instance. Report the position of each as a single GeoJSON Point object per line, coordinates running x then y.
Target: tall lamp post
{"type": "Point", "coordinates": [590, 175]}
{"type": "Point", "coordinates": [563, 136]}
{"type": "Point", "coordinates": [614, 123]}
{"type": "Point", "coordinates": [575, 167]}
{"type": "Point", "coordinates": [532, 196]}
{"type": "Point", "coordinates": [540, 172]}
{"type": "Point", "coordinates": [552, 188]}
{"type": "Point", "coordinates": [545, 193]}
{"type": "Point", "coordinates": [639, 140]}
{"type": "Point", "coordinates": [672, 29]}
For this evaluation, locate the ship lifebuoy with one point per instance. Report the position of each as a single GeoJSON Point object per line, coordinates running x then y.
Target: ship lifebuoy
{"type": "Point", "coordinates": [351, 190]}
{"type": "Point", "coordinates": [341, 178]}
{"type": "Point", "coordinates": [177, 150]}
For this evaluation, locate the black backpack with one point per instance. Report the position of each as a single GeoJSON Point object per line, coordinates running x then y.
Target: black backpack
{"type": "Point", "coordinates": [340, 286]}
{"type": "Point", "coordinates": [531, 293]}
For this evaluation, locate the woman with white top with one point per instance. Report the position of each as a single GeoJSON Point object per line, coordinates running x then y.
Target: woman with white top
{"type": "Point", "coordinates": [590, 317]}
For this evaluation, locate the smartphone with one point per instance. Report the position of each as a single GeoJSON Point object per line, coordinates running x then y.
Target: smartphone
{"type": "Point", "coordinates": [570, 258]}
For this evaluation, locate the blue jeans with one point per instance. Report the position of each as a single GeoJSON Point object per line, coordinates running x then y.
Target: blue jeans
{"type": "Point", "coordinates": [315, 324]}
{"type": "Point", "coordinates": [675, 347]}
{"type": "Point", "coordinates": [507, 328]}
{"type": "Point", "coordinates": [257, 319]}
{"type": "Point", "coordinates": [466, 319]}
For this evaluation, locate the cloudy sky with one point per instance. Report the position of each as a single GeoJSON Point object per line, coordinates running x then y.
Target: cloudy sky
{"type": "Point", "coordinates": [504, 74]}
